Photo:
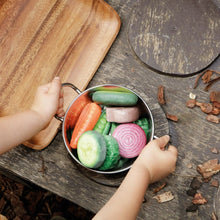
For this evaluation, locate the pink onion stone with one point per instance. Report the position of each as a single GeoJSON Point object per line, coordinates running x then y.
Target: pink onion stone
{"type": "Point", "coordinates": [131, 139]}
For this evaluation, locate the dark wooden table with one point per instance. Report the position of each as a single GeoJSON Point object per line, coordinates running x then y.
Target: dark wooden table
{"type": "Point", "coordinates": [193, 135]}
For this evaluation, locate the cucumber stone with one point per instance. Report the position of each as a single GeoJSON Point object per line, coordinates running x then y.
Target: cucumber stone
{"type": "Point", "coordinates": [112, 154]}
{"type": "Point", "coordinates": [121, 163]}
{"type": "Point", "coordinates": [91, 149]}
{"type": "Point", "coordinates": [112, 98]}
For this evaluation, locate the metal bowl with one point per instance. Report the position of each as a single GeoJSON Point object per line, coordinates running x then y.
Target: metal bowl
{"type": "Point", "coordinates": [68, 125]}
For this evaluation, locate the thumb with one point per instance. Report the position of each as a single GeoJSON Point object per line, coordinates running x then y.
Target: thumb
{"type": "Point", "coordinates": [55, 86]}
{"type": "Point", "coordinates": [162, 141]}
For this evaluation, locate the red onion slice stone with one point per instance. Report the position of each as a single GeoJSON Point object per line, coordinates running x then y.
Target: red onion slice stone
{"type": "Point", "coordinates": [131, 139]}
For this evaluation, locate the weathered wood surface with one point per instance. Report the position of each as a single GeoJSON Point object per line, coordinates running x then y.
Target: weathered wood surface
{"type": "Point", "coordinates": [175, 38]}
{"type": "Point", "coordinates": [43, 39]}
{"type": "Point", "coordinates": [217, 203]}
{"type": "Point", "coordinates": [192, 135]}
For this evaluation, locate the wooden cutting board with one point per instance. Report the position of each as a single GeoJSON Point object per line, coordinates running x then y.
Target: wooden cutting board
{"type": "Point", "coordinates": [43, 39]}
{"type": "Point", "coordinates": [175, 37]}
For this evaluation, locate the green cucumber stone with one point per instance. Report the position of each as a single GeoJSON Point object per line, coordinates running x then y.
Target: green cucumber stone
{"type": "Point", "coordinates": [91, 149]}
{"type": "Point", "coordinates": [112, 154]}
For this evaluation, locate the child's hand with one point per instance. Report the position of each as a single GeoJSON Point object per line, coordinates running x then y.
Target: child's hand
{"type": "Point", "coordinates": [49, 101]}
{"type": "Point", "coordinates": [158, 161]}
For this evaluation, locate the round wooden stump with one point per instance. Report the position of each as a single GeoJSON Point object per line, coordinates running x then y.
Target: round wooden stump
{"type": "Point", "coordinates": [175, 37]}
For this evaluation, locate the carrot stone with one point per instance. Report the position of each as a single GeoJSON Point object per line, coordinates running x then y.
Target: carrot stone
{"type": "Point", "coordinates": [86, 121]}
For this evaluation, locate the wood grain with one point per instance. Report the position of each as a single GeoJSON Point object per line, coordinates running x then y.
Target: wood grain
{"type": "Point", "coordinates": [42, 39]}
{"type": "Point", "coordinates": [178, 38]}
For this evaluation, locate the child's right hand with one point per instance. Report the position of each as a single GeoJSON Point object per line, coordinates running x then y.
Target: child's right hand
{"type": "Point", "coordinates": [158, 161]}
{"type": "Point", "coordinates": [49, 101]}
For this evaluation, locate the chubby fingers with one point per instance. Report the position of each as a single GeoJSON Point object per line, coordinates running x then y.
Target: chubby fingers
{"type": "Point", "coordinates": [55, 86]}
{"type": "Point", "coordinates": [162, 141]}
{"type": "Point", "coordinates": [173, 150]}
{"type": "Point", "coordinates": [60, 111]}
{"type": "Point", "coordinates": [172, 155]}
{"type": "Point", "coordinates": [61, 93]}
{"type": "Point", "coordinates": [56, 89]}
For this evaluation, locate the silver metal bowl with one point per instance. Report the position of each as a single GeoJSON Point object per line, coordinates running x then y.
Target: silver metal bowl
{"type": "Point", "coordinates": [67, 128]}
